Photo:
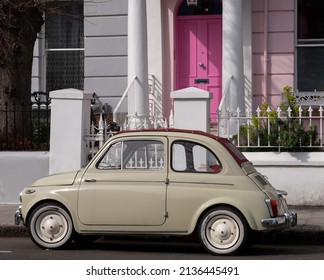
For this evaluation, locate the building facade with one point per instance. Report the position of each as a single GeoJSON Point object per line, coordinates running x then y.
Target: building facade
{"type": "Point", "coordinates": [242, 50]}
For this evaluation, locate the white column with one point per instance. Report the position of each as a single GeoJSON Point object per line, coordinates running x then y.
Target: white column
{"type": "Point", "coordinates": [192, 108]}
{"type": "Point", "coordinates": [137, 62]}
{"type": "Point", "coordinates": [247, 52]}
{"type": "Point", "coordinates": [233, 52]}
{"type": "Point", "coordinates": [70, 116]}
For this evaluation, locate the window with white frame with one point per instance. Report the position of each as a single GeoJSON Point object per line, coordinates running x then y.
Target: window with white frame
{"type": "Point", "coordinates": [310, 45]}
{"type": "Point", "coordinates": [64, 45]}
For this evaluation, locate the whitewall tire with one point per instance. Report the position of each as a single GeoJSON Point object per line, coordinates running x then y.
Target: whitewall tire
{"type": "Point", "coordinates": [50, 226]}
{"type": "Point", "coordinates": [223, 231]}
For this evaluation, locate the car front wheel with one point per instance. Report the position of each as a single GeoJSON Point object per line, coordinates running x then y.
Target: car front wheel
{"type": "Point", "coordinates": [223, 231]}
{"type": "Point", "coordinates": [50, 226]}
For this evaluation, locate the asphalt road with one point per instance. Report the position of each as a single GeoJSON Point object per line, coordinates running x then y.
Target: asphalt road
{"type": "Point", "coordinates": [22, 248]}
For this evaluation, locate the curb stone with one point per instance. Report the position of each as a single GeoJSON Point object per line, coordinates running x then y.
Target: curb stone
{"type": "Point", "coordinates": [13, 231]}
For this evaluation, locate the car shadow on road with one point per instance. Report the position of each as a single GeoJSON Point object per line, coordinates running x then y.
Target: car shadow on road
{"type": "Point", "coordinates": [190, 248]}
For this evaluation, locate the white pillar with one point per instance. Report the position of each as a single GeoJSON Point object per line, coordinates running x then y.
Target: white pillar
{"type": "Point", "coordinates": [192, 108]}
{"type": "Point", "coordinates": [247, 52]}
{"type": "Point", "coordinates": [70, 116]}
{"type": "Point", "coordinates": [233, 52]}
{"type": "Point", "coordinates": [137, 61]}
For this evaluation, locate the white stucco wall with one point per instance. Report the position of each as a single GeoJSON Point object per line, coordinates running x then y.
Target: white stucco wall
{"type": "Point", "coordinates": [19, 170]}
{"type": "Point", "coordinates": [300, 174]}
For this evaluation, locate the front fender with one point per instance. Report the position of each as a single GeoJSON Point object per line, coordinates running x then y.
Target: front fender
{"type": "Point", "coordinates": [65, 196]}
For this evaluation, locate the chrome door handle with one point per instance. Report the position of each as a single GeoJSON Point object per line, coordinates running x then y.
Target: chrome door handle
{"type": "Point", "coordinates": [201, 64]}
{"type": "Point", "coordinates": [90, 180]}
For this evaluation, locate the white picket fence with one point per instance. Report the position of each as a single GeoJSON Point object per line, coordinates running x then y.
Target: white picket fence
{"type": "Point", "coordinates": [241, 129]}
{"type": "Point", "coordinates": [96, 136]}
{"type": "Point", "coordinates": [152, 163]}
{"type": "Point", "coordinates": [250, 130]}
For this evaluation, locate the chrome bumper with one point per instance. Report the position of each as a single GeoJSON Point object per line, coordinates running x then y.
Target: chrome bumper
{"type": "Point", "coordinates": [18, 216]}
{"type": "Point", "coordinates": [288, 220]}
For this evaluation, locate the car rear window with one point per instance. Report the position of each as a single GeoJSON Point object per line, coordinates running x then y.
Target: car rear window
{"type": "Point", "coordinates": [188, 156]}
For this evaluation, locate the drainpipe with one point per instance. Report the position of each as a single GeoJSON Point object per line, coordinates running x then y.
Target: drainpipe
{"type": "Point", "coordinates": [265, 52]}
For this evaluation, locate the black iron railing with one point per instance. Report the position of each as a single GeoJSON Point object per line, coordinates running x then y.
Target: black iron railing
{"type": "Point", "coordinates": [26, 127]}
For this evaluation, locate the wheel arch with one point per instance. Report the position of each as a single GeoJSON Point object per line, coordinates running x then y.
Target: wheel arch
{"type": "Point", "coordinates": [246, 214]}
{"type": "Point", "coordinates": [40, 202]}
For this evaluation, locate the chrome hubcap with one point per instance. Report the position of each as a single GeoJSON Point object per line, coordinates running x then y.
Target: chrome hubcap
{"type": "Point", "coordinates": [222, 232]}
{"type": "Point", "coordinates": [52, 227]}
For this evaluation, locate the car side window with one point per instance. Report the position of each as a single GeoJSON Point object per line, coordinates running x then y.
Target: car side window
{"type": "Point", "coordinates": [112, 159]}
{"type": "Point", "coordinates": [193, 157]}
{"type": "Point", "coordinates": [134, 155]}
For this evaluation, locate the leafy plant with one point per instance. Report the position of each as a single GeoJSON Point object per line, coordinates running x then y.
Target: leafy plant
{"type": "Point", "coordinates": [283, 127]}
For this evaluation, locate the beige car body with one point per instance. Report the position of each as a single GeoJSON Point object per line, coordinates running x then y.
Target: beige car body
{"type": "Point", "coordinates": [163, 201]}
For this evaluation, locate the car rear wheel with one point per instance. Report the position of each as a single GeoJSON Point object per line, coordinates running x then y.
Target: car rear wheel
{"type": "Point", "coordinates": [50, 226]}
{"type": "Point", "coordinates": [223, 231]}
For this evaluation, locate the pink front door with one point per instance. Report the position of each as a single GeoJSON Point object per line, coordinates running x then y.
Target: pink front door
{"type": "Point", "coordinates": [199, 56]}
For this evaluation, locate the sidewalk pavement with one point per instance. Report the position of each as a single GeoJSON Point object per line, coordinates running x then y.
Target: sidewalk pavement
{"type": "Point", "coordinates": [309, 229]}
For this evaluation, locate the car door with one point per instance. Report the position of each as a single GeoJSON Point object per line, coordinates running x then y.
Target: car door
{"type": "Point", "coordinates": [126, 186]}
{"type": "Point", "coordinates": [196, 176]}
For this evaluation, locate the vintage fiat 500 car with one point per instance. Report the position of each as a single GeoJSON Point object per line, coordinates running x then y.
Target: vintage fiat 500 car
{"type": "Point", "coordinates": [165, 182]}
